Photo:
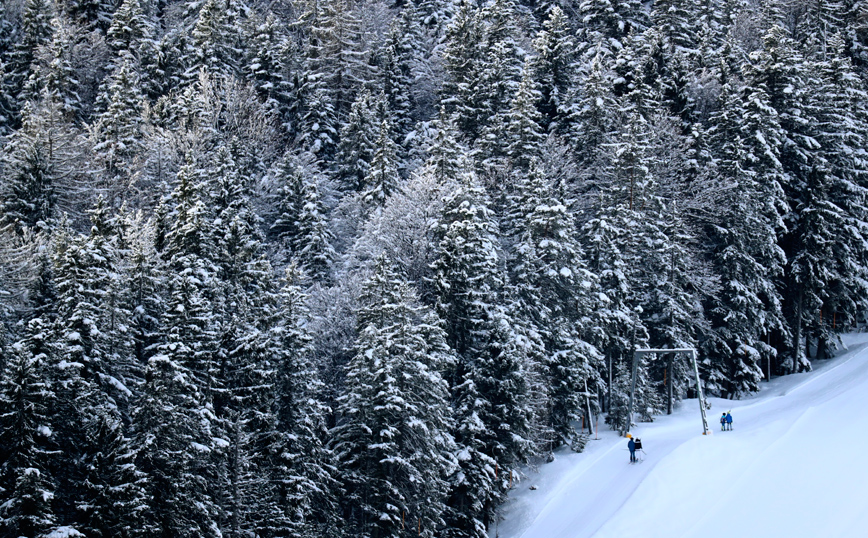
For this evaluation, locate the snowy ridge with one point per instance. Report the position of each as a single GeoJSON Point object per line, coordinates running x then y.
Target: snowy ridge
{"type": "Point", "coordinates": [789, 468]}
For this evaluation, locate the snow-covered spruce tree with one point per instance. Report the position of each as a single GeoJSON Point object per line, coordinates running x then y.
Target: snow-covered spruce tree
{"type": "Point", "coordinates": [173, 436]}
{"type": "Point", "coordinates": [335, 59]}
{"type": "Point", "coordinates": [27, 487]}
{"type": "Point", "coordinates": [131, 31]}
{"type": "Point", "coordinates": [91, 375]}
{"type": "Point", "coordinates": [358, 144]}
{"type": "Point", "coordinates": [556, 295]}
{"type": "Point", "coordinates": [288, 181]}
{"type": "Point", "coordinates": [53, 73]}
{"type": "Point", "coordinates": [499, 79]}
{"type": "Point", "coordinates": [144, 284]}
{"type": "Point", "coordinates": [35, 31]}
{"type": "Point", "coordinates": [676, 22]}
{"type": "Point", "coordinates": [392, 439]}
{"type": "Point", "coordinates": [27, 196]}
{"type": "Point", "coordinates": [523, 130]}
{"type": "Point", "coordinates": [37, 162]}
{"type": "Point", "coordinates": [553, 70]}
{"type": "Point", "coordinates": [304, 470]}
{"type": "Point", "coordinates": [314, 251]}
{"type": "Point", "coordinates": [608, 250]}
{"type": "Point", "coordinates": [262, 64]}
{"type": "Point", "coordinates": [488, 382]}
{"type": "Point", "coordinates": [839, 100]}
{"type": "Point", "coordinates": [114, 502]}
{"type": "Point", "coordinates": [176, 427]}
{"type": "Point", "coordinates": [213, 39]}
{"type": "Point", "coordinates": [447, 157]}
{"type": "Point", "coordinates": [594, 119]}
{"type": "Point", "coordinates": [782, 71]}
{"type": "Point", "coordinates": [401, 55]}
{"type": "Point", "coordinates": [118, 130]}
{"type": "Point", "coordinates": [301, 221]}
{"type": "Point", "coordinates": [382, 177]}
{"type": "Point", "coordinates": [747, 257]}
{"type": "Point", "coordinates": [463, 59]}
{"type": "Point", "coordinates": [608, 23]}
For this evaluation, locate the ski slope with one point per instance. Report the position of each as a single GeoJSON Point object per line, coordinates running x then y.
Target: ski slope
{"type": "Point", "coordinates": [793, 466]}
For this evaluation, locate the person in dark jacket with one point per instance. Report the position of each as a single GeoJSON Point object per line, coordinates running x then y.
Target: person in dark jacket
{"type": "Point", "coordinates": [728, 421]}
{"type": "Point", "coordinates": [632, 446]}
{"type": "Point", "coordinates": [723, 422]}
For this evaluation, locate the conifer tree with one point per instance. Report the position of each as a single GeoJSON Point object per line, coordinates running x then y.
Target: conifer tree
{"type": "Point", "coordinates": [315, 250]}
{"type": "Point", "coordinates": [382, 177]}
{"type": "Point", "coordinates": [26, 450]}
{"type": "Point", "coordinates": [27, 198]}
{"type": "Point", "coordinates": [488, 383]}
{"type": "Point", "coordinates": [392, 440]}
{"type": "Point", "coordinates": [554, 291]}
{"type": "Point", "coordinates": [553, 69]}
{"type": "Point", "coordinates": [523, 130]}
{"type": "Point", "coordinates": [119, 128]}
{"type": "Point", "coordinates": [131, 30]}
{"type": "Point", "coordinates": [304, 467]}
{"type": "Point", "coordinates": [53, 75]}
{"type": "Point", "coordinates": [358, 143]}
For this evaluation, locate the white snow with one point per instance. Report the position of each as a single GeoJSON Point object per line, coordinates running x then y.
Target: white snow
{"type": "Point", "coordinates": [792, 466]}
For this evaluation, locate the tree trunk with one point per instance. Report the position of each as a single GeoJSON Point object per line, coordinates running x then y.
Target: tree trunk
{"type": "Point", "coordinates": [669, 388]}
{"type": "Point", "coordinates": [797, 333]}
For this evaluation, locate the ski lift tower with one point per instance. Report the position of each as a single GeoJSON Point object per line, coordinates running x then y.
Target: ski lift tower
{"type": "Point", "coordinates": [639, 353]}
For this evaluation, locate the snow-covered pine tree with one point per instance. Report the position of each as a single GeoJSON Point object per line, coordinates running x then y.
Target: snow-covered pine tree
{"type": "Point", "coordinates": [393, 440]}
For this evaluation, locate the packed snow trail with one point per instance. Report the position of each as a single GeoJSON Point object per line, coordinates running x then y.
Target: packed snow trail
{"type": "Point", "coordinates": [792, 466]}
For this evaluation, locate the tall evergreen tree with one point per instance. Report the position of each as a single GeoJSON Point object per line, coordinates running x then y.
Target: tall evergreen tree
{"type": "Point", "coordinates": [392, 440]}
{"type": "Point", "coordinates": [26, 451]}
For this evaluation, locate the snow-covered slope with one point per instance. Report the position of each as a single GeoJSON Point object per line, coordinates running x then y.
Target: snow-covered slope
{"type": "Point", "coordinates": [793, 466]}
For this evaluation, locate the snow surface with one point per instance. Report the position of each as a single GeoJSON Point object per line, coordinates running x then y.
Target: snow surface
{"type": "Point", "coordinates": [792, 466]}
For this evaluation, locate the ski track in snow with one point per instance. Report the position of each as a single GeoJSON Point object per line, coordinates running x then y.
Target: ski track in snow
{"type": "Point", "coordinates": [790, 467]}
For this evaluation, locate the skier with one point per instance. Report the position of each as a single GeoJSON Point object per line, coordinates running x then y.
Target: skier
{"type": "Point", "coordinates": [728, 421]}
{"type": "Point", "coordinates": [723, 422]}
{"type": "Point", "coordinates": [638, 444]}
{"type": "Point", "coordinates": [632, 446]}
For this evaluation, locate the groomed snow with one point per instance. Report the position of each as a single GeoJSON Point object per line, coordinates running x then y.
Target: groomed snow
{"type": "Point", "coordinates": [792, 466]}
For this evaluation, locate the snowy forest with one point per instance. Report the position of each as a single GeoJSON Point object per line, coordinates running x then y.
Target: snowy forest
{"type": "Point", "coordinates": [340, 268]}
